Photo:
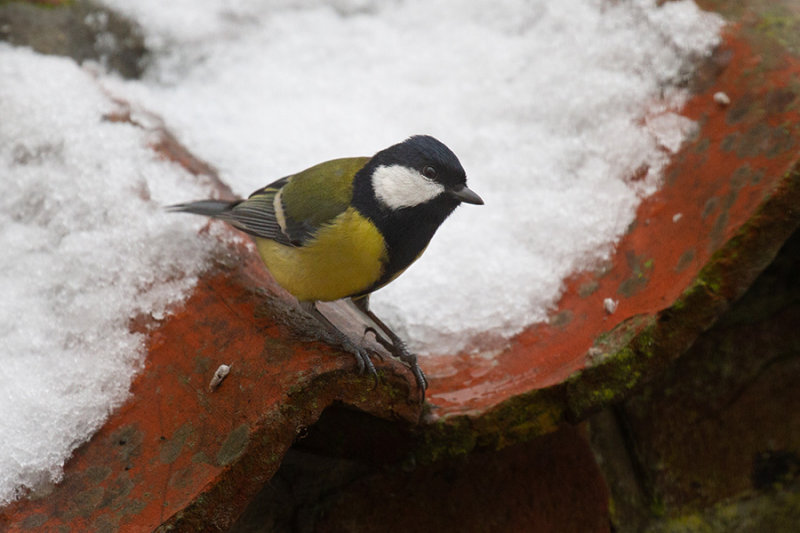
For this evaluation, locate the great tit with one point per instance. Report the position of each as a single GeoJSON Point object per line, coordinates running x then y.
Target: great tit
{"type": "Point", "coordinates": [345, 228]}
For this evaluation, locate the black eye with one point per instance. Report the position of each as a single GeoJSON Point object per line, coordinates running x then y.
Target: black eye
{"type": "Point", "coordinates": [429, 172]}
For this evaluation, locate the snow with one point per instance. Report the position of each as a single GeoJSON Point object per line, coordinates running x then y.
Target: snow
{"type": "Point", "coordinates": [86, 248]}
{"type": "Point", "coordinates": [552, 108]}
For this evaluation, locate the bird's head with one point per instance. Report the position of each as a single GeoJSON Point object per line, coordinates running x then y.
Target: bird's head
{"type": "Point", "coordinates": [417, 171]}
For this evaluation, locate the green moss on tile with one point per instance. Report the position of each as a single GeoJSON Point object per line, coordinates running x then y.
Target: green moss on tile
{"type": "Point", "coordinates": [783, 26]}
{"type": "Point", "coordinates": [171, 447]}
{"type": "Point", "coordinates": [234, 445]}
{"type": "Point", "coordinates": [774, 511]}
{"type": "Point", "coordinates": [519, 419]}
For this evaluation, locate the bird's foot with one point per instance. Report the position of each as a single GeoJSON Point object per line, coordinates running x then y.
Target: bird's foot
{"type": "Point", "coordinates": [362, 355]}
{"type": "Point", "coordinates": [398, 349]}
{"type": "Point", "coordinates": [411, 360]}
{"type": "Point", "coordinates": [363, 360]}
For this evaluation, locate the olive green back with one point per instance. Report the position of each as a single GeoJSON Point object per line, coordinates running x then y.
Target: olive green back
{"type": "Point", "coordinates": [320, 193]}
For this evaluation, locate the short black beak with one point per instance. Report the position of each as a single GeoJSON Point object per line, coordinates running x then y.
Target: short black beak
{"type": "Point", "coordinates": [464, 194]}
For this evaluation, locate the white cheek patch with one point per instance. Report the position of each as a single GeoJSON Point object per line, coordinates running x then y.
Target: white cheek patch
{"type": "Point", "coordinates": [397, 186]}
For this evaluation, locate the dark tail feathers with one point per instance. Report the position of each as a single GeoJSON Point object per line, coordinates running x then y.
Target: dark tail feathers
{"type": "Point", "coordinates": [209, 208]}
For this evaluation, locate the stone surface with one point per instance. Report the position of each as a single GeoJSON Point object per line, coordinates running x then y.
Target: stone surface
{"type": "Point", "coordinates": [774, 512]}
{"type": "Point", "coordinates": [713, 444]}
{"type": "Point", "coordinates": [549, 485]}
{"type": "Point", "coordinates": [78, 29]}
{"type": "Point", "coordinates": [180, 457]}
{"type": "Point", "coordinates": [721, 424]}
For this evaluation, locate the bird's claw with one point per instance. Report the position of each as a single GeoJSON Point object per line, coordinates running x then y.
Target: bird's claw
{"type": "Point", "coordinates": [411, 360]}
{"type": "Point", "coordinates": [399, 350]}
{"type": "Point", "coordinates": [422, 381]}
{"type": "Point", "coordinates": [363, 360]}
{"type": "Point", "coordinates": [362, 356]}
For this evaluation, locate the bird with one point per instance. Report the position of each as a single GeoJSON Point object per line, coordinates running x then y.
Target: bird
{"type": "Point", "coordinates": [342, 229]}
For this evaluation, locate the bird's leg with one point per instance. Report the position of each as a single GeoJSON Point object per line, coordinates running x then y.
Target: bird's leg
{"type": "Point", "coordinates": [395, 345]}
{"type": "Point", "coordinates": [362, 356]}
{"type": "Point", "coordinates": [370, 329]}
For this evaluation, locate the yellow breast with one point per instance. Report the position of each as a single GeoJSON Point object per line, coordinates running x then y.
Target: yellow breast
{"type": "Point", "coordinates": [346, 256]}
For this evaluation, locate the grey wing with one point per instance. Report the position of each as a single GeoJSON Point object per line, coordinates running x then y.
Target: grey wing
{"type": "Point", "coordinates": [257, 216]}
